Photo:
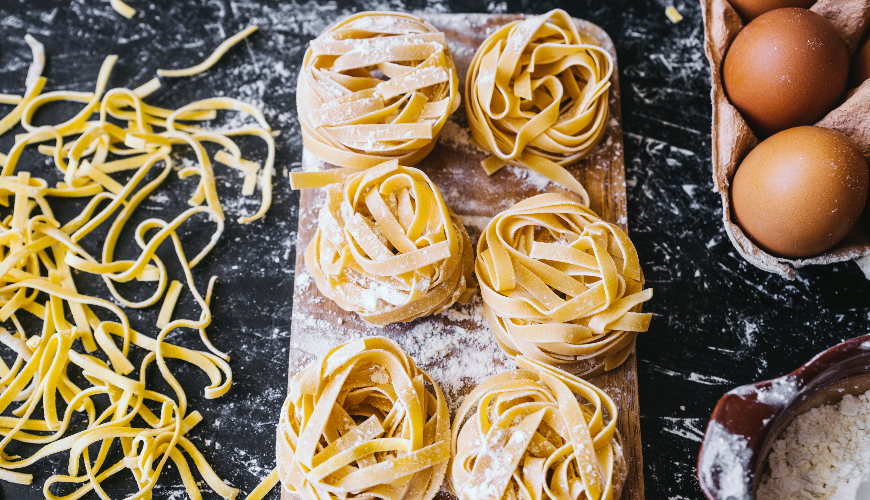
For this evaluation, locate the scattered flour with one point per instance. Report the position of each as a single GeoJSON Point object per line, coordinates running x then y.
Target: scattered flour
{"type": "Point", "coordinates": [723, 462]}
{"type": "Point", "coordinates": [459, 354]}
{"type": "Point", "coordinates": [824, 454]}
{"type": "Point", "coordinates": [780, 393]}
{"type": "Point", "coordinates": [530, 177]}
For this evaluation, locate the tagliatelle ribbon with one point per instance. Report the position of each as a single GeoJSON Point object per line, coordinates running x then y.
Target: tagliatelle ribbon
{"type": "Point", "coordinates": [524, 435]}
{"type": "Point", "coordinates": [536, 96]}
{"type": "Point", "coordinates": [37, 258]}
{"type": "Point", "coordinates": [212, 59]}
{"type": "Point", "coordinates": [560, 285]}
{"type": "Point", "coordinates": [376, 86]}
{"type": "Point", "coordinates": [122, 8]}
{"type": "Point", "coordinates": [387, 246]}
{"type": "Point", "coordinates": [364, 420]}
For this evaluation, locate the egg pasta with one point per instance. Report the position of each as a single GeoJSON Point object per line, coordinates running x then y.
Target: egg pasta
{"type": "Point", "coordinates": [376, 86]}
{"type": "Point", "coordinates": [525, 435]}
{"type": "Point", "coordinates": [536, 96]}
{"type": "Point", "coordinates": [388, 248]}
{"type": "Point", "coordinates": [363, 420]}
{"type": "Point", "coordinates": [560, 285]}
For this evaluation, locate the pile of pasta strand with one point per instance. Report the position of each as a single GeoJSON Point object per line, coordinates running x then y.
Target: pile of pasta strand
{"type": "Point", "coordinates": [532, 437]}
{"type": "Point", "coordinates": [536, 96]}
{"type": "Point", "coordinates": [561, 286]}
{"type": "Point", "coordinates": [38, 253]}
{"type": "Point", "coordinates": [387, 246]}
{"type": "Point", "coordinates": [374, 87]}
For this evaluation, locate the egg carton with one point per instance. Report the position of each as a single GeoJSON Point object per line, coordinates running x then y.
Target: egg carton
{"type": "Point", "coordinates": [732, 139]}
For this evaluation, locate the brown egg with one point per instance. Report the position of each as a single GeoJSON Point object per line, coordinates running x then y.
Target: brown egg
{"type": "Point", "coordinates": [799, 192]}
{"type": "Point", "coordinates": [861, 66]}
{"type": "Point", "coordinates": [750, 9]}
{"type": "Point", "coordinates": [786, 68]}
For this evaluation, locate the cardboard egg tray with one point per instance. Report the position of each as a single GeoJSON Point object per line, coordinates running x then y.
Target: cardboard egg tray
{"type": "Point", "coordinates": [732, 139]}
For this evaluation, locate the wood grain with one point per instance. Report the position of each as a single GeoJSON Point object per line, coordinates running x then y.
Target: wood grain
{"type": "Point", "coordinates": [454, 167]}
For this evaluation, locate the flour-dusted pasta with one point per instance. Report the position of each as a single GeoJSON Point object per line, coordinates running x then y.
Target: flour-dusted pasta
{"type": "Point", "coordinates": [536, 96]}
{"type": "Point", "coordinates": [524, 435]}
{"type": "Point", "coordinates": [376, 86]}
{"type": "Point", "coordinates": [363, 421]}
{"type": "Point", "coordinates": [387, 246]}
{"type": "Point", "coordinates": [560, 285]}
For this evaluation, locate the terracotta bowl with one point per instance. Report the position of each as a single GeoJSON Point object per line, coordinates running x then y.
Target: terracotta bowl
{"type": "Point", "coordinates": [748, 420]}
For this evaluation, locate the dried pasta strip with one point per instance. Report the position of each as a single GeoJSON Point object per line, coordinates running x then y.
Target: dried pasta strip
{"type": "Point", "coordinates": [321, 178]}
{"type": "Point", "coordinates": [12, 119]}
{"type": "Point", "coordinates": [34, 72]}
{"type": "Point", "coordinates": [250, 185]}
{"type": "Point", "coordinates": [560, 285]}
{"type": "Point", "coordinates": [265, 487]}
{"type": "Point", "coordinates": [169, 302]}
{"type": "Point", "coordinates": [401, 448]}
{"type": "Point", "coordinates": [212, 59]}
{"type": "Point", "coordinates": [229, 160]}
{"type": "Point", "coordinates": [388, 248]}
{"type": "Point", "coordinates": [75, 123]}
{"type": "Point", "coordinates": [536, 96]}
{"type": "Point", "coordinates": [147, 88]}
{"type": "Point", "coordinates": [129, 163]}
{"type": "Point", "coordinates": [390, 132]}
{"type": "Point", "coordinates": [100, 178]}
{"type": "Point", "coordinates": [414, 80]}
{"type": "Point", "coordinates": [123, 9]}
{"type": "Point", "coordinates": [351, 119]}
{"type": "Point", "coordinates": [539, 433]}
{"type": "Point", "coordinates": [142, 141]}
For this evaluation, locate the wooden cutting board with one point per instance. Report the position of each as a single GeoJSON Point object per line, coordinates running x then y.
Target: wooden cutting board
{"type": "Point", "coordinates": [457, 347]}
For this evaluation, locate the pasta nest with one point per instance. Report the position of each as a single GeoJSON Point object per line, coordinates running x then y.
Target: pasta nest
{"type": "Point", "coordinates": [364, 421]}
{"type": "Point", "coordinates": [374, 87]}
{"type": "Point", "coordinates": [530, 438]}
{"type": "Point", "coordinates": [560, 285]}
{"type": "Point", "coordinates": [388, 248]}
{"type": "Point", "coordinates": [536, 96]}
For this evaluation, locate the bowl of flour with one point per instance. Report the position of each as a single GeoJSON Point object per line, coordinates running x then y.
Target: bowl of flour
{"type": "Point", "coordinates": [805, 435]}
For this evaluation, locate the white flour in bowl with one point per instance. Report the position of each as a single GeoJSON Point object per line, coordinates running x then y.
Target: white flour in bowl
{"type": "Point", "coordinates": [824, 454]}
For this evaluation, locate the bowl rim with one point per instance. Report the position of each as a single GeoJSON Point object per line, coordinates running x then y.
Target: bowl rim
{"type": "Point", "coordinates": [745, 416]}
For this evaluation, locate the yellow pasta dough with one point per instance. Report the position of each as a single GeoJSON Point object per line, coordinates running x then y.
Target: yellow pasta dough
{"type": "Point", "coordinates": [374, 87]}
{"type": "Point", "coordinates": [388, 248]}
{"type": "Point", "coordinates": [524, 435]}
{"type": "Point", "coordinates": [363, 421]}
{"type": "Point", "coordinates": [119, 408]}
{"type": "Point", "coordinates": [560, 285]}
{"type": "Point", "coordinates": [536, 96]}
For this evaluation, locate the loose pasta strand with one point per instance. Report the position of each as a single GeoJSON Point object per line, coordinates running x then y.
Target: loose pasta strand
{"type": "Point", "coordinates": [212, 59]}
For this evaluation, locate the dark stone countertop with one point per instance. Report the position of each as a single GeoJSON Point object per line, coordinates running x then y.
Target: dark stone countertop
{"type": "Point", "coordinates": [718, 323]}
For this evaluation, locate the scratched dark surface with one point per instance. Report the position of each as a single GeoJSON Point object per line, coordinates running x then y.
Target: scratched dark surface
{"type": "Point", "coordinates": [719, 322]}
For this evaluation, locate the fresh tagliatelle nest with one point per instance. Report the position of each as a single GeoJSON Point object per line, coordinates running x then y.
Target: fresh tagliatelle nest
{"type": "Point", "coordinates": [536, 96]}
{"type": "Point", "coordinates": [561, 286]}
{"type": "Point", "coordinates": [537, 433]}
{"type": "Point", "coordinates": [364, 421]}
{"type": "Point", "coordinates": [733, 139]}
{"type": "Point", "coordinates": [374, 87]}
{"type": "Point", "coordinates": [387, 246]}
{"type": "Point", "coordinates": [115, 134]}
